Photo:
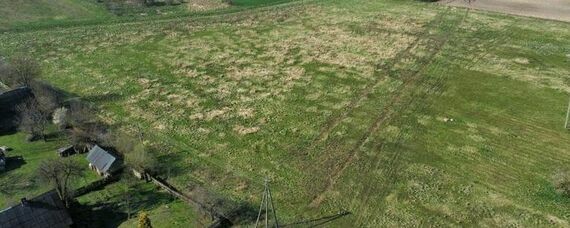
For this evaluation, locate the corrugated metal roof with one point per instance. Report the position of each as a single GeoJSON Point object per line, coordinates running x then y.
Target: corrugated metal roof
{"type": "Point", "coordinates": [46, 210]}
{"type": "Point", "coordinates": [101, 159]}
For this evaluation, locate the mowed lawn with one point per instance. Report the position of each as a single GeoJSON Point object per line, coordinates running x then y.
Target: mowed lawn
{"type": "Point", "coordinates": [345, 105]}
{"type": "Point", "coordinates": [20, 179]}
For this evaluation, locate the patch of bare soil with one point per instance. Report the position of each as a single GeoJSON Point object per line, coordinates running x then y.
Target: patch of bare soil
{"type": "Point", "coordinates": [547, 9]}
{"type": "Point", "coordinates": [203, 5]}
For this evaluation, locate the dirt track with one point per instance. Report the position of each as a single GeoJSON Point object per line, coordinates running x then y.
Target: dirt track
{"type": "Point", "coordinates": [548, 9]}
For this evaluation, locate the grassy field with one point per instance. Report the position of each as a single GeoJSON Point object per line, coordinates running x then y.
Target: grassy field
{"type": "Point", "coordinates": [25, 15]}
{"type": "Point", "coordinates": [15, 12]}
{"type": "Point", "coordinates": [345, 105]}
{"type": "Point", "coordinates": [20, 180]}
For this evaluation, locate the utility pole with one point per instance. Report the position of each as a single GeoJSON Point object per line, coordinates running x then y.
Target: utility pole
{"type": "Point", "coordinates": [267, 203]}
{"type": "Point", "coordinates": [567, 124]}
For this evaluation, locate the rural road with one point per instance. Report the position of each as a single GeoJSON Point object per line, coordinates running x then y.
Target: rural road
{"type": "Point", "coordinates": [548, 9]}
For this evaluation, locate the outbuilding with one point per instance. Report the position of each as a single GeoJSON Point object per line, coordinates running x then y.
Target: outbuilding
{"type": "Point", "coordinates": [66, 151]}
{"type": "Point", "coordinates": [103, 162]}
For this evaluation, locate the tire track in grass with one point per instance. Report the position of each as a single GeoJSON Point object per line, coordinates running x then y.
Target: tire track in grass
{"type": "Point", "coordinates": [384, 66]}
{"type": "Point", "coordinates": [410, 81]}
{"type": "Point", "coordinates": [390, 168]}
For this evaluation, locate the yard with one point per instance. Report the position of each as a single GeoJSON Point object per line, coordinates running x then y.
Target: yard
{"type": "Point", "coordinates": [20, 180]}
{"type": "Point", "coordinates": [110, 203]}
{"type": "Point", "coordinates": [400, 112]}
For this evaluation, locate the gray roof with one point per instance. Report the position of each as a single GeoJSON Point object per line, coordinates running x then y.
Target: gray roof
{"type": "Point", "coordinates": [46, 210]}
{"type": "Point", "coordinates": [64, 149]}
{"type": "Point", "coordinates": [102, 160]}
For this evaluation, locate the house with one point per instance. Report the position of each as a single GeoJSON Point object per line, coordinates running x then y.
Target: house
{"type": "Point", "coordinates": [44, 211]}
{"type": "Point", "coordinates": [66, 151]}
{"type": "Point", "coordinates": [103, 161]}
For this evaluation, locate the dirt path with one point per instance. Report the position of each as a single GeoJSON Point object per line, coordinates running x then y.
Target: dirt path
{"type": "Point", "coordinates": [547, 9]}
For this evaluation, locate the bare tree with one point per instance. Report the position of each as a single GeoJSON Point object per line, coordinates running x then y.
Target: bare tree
{"type": "Point", "coordinates": [32, 120]}
{"type": "Point", "coordinates": [127, 184]}
{"type": "Point", "coordinates": [141, 159]}
{"type": "Point", "coordinates": [80, 139]}
{"type": "Point", "coordinates": [5, 73]}
{"type": "Point", "coordinates": [48, 99]}
{"type": "Point", "coordinates": [23, 71]}
{"type": "Point", "coordinates": [60, 118]}
{"type": "Point", "coordinates": [60, 173]}
{"type": "Point", "coordinates": [80, 114]}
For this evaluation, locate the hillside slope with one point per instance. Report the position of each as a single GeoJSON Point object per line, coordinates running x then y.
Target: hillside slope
{"type": "Point", "coordinates": [13, 12]}
{"type": "Point", "coordinates": [345, 105]}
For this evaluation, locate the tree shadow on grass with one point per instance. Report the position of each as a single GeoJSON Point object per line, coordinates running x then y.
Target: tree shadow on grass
{"type": "Point", "coordinates": [318, 222]}
{"type": "Point", "coordinates": [55, 136]}
{"type": "Point", "coordinates": [97, 215]}
{"type": "Point", "coordinates": [14, 162]}
{"type": "Point", "coordinates": [150, 199]}
{"type": "Point", "coordinates": [8, 124]}
{"type": "Point", "coordinates": [167, 169]}
{"type": "Point", "coordinates": [103, 98]}
{"type": "Point", "coordinates": [113, 211]}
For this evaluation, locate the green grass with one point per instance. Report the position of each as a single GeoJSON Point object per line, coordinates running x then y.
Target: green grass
{"type": "Point", "coordinates": [257, 2]}
{"type": "Point", "coordinates": [16, 12]}
{"type": "Point", "coordinates": [342, 104]}
{"type": "Point", "coordinates": [21, 178]}
{"type": "Point", "coordinates": [163, 209]}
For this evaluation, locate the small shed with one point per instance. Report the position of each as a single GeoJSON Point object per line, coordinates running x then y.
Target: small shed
{"type": "Point", "coordinates": [44, 211]}
{"type": "Point", "coordinates": [103, 161]}
{"type": "Point", "coordinates": [66, 151]}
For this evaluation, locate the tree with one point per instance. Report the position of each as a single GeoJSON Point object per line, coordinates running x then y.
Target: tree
{"type": "Point", "coordinates": [5, 72]}
{"type": "Point", "coordinates": [80, 114]}
{"type": "Point", "coordinates": [19, 71]}
{"type": "Point", "coordinates": [80, 139]}
{"type": "Point", "coordinates": [144, 221]}
{"type": "Point", "coordinates": [46, 96]}
{"type": "Point", "coordinates": [127, 183]}
{"type": "Point", "coordinates": [23, 71]}
{"type": "Point", "coordinates": [31, 119]}
{"type": "Point", "coordinates": [60, 173]}
{"type": "Point", "coordinates": [141, 159]}
{"type": "Point", "coordinates": [60, 118]}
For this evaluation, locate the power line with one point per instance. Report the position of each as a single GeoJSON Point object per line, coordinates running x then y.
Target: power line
{"type": "Point", "coordinates": [267, 204]}
{"type": "Point", "coordinates": [567, 124]}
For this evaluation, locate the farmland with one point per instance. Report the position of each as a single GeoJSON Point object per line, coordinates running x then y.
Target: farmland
{"type": "Point", "coordinates": [400, 112]}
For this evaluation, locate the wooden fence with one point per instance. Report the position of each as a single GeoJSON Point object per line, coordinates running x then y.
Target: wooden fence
{"type": "Point", "coordinates": [218, 219]}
